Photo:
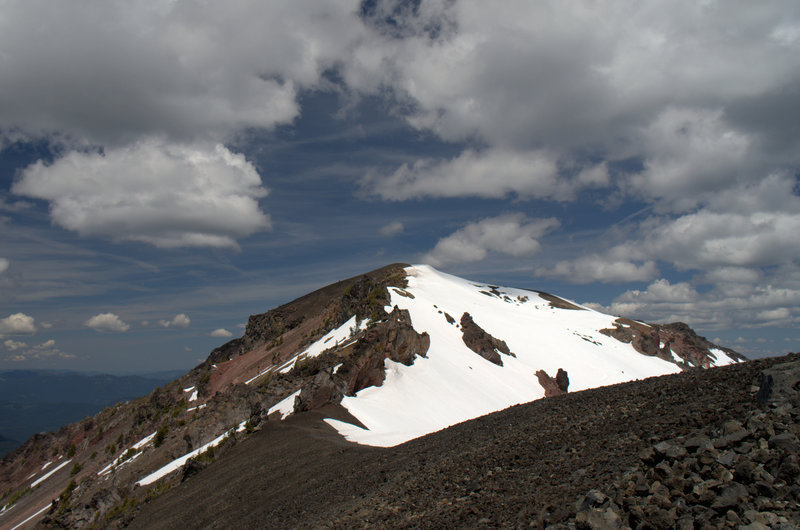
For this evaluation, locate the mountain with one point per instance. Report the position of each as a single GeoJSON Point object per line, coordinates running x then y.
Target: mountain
{"type": "Point", "coordinates": [33, 401]}
{"type": "Point", "coordinates": [378, 359]}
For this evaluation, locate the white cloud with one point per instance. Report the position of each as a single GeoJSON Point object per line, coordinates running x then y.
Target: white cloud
{"type": "Point", "coordinates": [664, 83]}
{"type": "Point", "coordinates": [163, 194]}
{"type": "Point", "coordinates": [107, 322]}
{"type": "Point", "coordinates": [510, 234]}
{"type": "Point", "coordinates": [45, 350]}
{"type": "Point", "coordinates": [600, 268]}
{"type": "Point", "coordinates": [13, 345]}
{"type": "Point", "coordinates": [17, 323]}
{"type": "Point", "coordinates": [749, 226]}
{"type": "Point", "coordinates": [179, 321]}
{"type": "Point", "coordinates": [495, 173]}
{"type": "Point", "coordinates": [392, 229]}
{"type": "Point", "coordinates": [775, 316]}
{"type": "Point", "coordinates": [4, 263]}
{"type": "Point", "coordinates": [182, 69]}
{"type": "Point", "coordinates": [224, 333]}
{"type": "Point", "coordinates": [719, 308]}
{"type": "Point", "coordinates": [690, 153]}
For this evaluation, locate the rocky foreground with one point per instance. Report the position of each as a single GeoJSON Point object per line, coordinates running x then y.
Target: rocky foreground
{"type": "Point", "coordinates": [690, 450]}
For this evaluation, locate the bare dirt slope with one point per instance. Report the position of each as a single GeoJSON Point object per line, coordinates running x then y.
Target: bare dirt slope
{"type": "Point", "coordinates": [526, 465]}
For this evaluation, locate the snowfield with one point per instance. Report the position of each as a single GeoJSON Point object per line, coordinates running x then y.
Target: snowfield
{"type": "Point", "coordinates": [454, 384]}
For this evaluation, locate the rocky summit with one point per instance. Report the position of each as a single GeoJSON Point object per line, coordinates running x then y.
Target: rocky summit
{"type": "Point", "coordinates": [352, 405]}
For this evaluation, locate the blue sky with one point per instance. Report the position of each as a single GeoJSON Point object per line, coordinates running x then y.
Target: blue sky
{"type": "Point", "coordinates": [169, 168]}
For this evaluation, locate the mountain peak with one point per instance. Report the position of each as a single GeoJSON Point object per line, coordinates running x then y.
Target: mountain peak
{"type": "Point", "coordinates": [383, 357]}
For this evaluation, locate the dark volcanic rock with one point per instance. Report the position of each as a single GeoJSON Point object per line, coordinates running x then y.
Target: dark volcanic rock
{"type": "Point", "coordinates": [522, 467]}
{"type": "Point", "coordinates": [322, 390]}
{"type": "Point", "coordinates": [779, 383]}
{"type": "Point", "coordinates": [562, 380]}
{"type": "Point", "coordinates": [481, 342]}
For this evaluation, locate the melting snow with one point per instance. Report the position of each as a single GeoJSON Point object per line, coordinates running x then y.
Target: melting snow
{"type": "Point", "coordinates": [453, 384]}
{"type": "Point", "coordinates": [120, 460]}
{"type": "Point", "coordinates": [722, 357]}
{"type": "Point", "coordinates": [47, 475]}
{"type": "Point", "coordinates": [284, 406]}
{"type": "Point", "coordinates": [335, 337]}
{"type": "Point", "coordinates": [258, 375]}
{"type": "Point", "coordinates": [179, 462]}
{"type": "Point", "coordinates": [199, 407]}
{"type": "Point", "coordinates": [40, 512]}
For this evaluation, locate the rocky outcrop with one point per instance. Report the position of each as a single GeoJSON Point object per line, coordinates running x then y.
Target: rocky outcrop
{"type": "Point", "coordinates": [481, 342]}
{"type": "Point", "coordinates": [341, 372]}
{"type": "Point", "coordinates": [362, 295]}
{"type": "Point", "coordinates": [739, 474]}
{"type": "Point", "coordinates": [664, 340]}
{"type": "Point", "coordinates": [321, 391]}
{"type": "Point", "coordinates": [779, 384]}
{"type": "Point", "coordinates": [393, 339]}
{"type": "Point", "coordinates": [553, 386]}
{"type": "Point", "coordinates": [558, 302]}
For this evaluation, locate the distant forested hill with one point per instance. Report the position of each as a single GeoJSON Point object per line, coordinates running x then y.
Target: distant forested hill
{"type": "Point", "coordinates": [33, 401]}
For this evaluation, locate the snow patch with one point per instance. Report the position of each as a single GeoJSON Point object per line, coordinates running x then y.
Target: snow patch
{"type": "Point", "coordinates": [40, 512]}
{"type": "Point", "coordinates": [334, 337]}
{"type": "Point", "coordinates": [452, 384]}
{"type": "Point", "coordinates": [121, 460]}
{"type": "Point", "coordinates": [179, 462]}
{"type": "Point", "coordinates": [722, 358]}
{"type": "Point", "coordinates": [47, 475]}
{"type": "Point", "coordinates": [284, 406]}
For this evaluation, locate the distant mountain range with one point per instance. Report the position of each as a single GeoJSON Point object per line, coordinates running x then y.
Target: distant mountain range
{"type": "Point", "coordinates": [33, 401]}
{"type": "Point", "coordinates": [378, 359]}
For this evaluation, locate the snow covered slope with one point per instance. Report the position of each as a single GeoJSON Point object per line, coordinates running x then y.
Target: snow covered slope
{"type": "Point", "coordinates": [452, 383]}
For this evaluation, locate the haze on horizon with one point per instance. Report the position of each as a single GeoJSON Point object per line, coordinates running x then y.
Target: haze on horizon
{"type": "Point", "coordinates": [168, 168]}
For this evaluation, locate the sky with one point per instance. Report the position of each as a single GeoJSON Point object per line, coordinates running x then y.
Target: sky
{"type": "Point", "coordinates": [170, 167]}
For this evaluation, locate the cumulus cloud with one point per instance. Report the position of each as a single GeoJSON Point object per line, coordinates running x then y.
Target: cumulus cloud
{"type": "Point", "coordinates": [186, 70]}
{"type": "Point", "coordinates": [601, 268]}
{"type": "Point", "coordinates": [690, 153]}
{"type": "Point", "coordinates": [220, 332]}
{"type": "Point", "coordinates": [510, 234]}
{"type": "Point", "coordinates": [752, 225]}
{"type": "Point", "coordinates": [107, 322]}
{"type": "Point", "coordinates": [178, 321]}
{"type": "Point", "coordinates": [13, 345]}
{"type": "Point", "coordinates": [165, 195]}
{"type": "Point", "coordinates": [45, 350]}
{"type": "Point", "coordinates": [16, 324]}
{"type": "Point", "coordinates": [662, 83]}
{"type": "Point", "coordinates": [752, 306]}
{"type": "Point", "coordinates": [392, 229]}
{"type": "Point", "coordinates": [494, 174]}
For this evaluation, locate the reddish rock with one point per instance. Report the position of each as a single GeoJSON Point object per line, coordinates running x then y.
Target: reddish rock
{"type": "Point", "coordinates": [553, 386]}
